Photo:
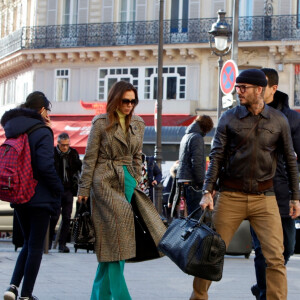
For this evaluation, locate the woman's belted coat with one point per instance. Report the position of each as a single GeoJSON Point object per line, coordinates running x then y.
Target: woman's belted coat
{"type": "Point", "coordinates": [102, 179]}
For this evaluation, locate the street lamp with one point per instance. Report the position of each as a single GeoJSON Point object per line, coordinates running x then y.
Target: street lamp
{"type": "Point", "coordinates": [220, 31]}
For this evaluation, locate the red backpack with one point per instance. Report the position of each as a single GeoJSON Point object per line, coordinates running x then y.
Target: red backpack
{"type": "Point", "coordinates": [17, 184]}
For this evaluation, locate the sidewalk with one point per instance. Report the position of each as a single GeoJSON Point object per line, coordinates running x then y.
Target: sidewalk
{"type": "Point", "coordinates": [70, 277]}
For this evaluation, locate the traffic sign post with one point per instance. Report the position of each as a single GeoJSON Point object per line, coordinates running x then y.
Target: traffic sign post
{"type": "Point", "coordinates": [228, 76]}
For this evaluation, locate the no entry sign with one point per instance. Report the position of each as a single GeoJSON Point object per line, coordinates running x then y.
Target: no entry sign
{"type": "Point", "coordinates": [228, 75]}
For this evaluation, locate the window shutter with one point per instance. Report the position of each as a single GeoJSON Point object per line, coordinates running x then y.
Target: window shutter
{"type": "Point", "coordinates": [284, 7]}
{"type": "Point", "coordinates": [258, 8]}
{"type": "Point", "coordinates": [141, 10]}
{"type": "Point", "coordinates": [107, 11]}
{"type": "Point", "coordinates": [83, 8]}
{"type": "Point", "coordinates": [217, 5]}
{"type": "Point", "coordinates": [51, 12]}
{"type": "Point", "coordinates": [156, 9]}
{"type": "Point", "coordinates": [194, 9]}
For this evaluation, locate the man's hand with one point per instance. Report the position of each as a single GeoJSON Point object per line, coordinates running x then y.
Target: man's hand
{"type": "Point", "coordinates": [154, 182]}
{"type": "Point", "coordinates": [207, 201]}
{"type": "Point", "coordinates": [81, 198]}
{"type": "Point", "coordinates": [294, 209]}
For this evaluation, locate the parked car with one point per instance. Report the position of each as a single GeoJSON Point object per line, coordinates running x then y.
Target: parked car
{"type": "Point", "coordinates": [6, 216]}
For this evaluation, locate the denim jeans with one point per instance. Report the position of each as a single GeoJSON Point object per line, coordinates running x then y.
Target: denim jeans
{"type": "Point", "coordinates": [289, 232]}
{"type": "Point", "coordinates": [34, 223]}
{"type": "Point", "coordinates": [193, 198]}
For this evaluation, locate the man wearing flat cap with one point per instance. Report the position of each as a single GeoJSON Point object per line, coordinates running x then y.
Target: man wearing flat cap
{"type": "Point", "coordinates": [243, 160]}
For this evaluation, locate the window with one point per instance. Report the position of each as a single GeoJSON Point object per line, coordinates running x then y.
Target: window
{"type": "Point", "coordinates": [179, 15]}
{"type": "Point", "coordinates": [70, 11]}
{"type": "Point", "coordinates": [75, 11]}
{"type": "Point", "coordinates": [297, 86]}
{"type": "Point", "coordinates": [2, 98]}
{"type": "Point", "coordinates": [9, 97]}
{"type": "Point", "coordinates": [51, 12]}
{"type": "Point", "coordinates": [174, 83]}
{"type": "Point", "coordinates": [62, 77]}
{"type": "Point", "coordinates": [298, 14]}
{"type": "Point", "coordinates": [127, 10]}
{"type": "Point", "coordinates": [145, 81]}
{"type": "Point", "coordinates": [245, 8]}
{"type": "Point", "coordinates": [107, 77]}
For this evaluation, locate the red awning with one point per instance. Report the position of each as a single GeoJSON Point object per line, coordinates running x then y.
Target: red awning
{"type": "Point", "coordinates": [78, 126]}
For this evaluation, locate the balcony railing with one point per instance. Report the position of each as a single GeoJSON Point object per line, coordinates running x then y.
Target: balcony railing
{"type": "Point", "coordinates": [258, 28]}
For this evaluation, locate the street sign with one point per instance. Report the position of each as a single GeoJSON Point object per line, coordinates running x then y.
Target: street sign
{"type": "Point", "coordinates": [228, 75]}
{"type": "Point", "coordinates": [227, 100]}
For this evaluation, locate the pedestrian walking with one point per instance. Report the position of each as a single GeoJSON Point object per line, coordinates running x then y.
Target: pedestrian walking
{"type": "Point", "coordinates": [243, 160]}
{"type": "Point", "coordinates": [279, 101]}
{"type": "Point", "coordinates": [34, 215]}
{"type": "Point", "coordinates": [68, 168]}
{"type": "Point", "coordinates": [192, 161]}
{"type": "Point", "coordinates": [151, 175]}
{"type": "Point", "coordinates": [112, 167]}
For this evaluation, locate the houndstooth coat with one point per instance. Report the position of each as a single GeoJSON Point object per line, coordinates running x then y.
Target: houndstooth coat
{"type": "Point", "coordinates": [102, 179]}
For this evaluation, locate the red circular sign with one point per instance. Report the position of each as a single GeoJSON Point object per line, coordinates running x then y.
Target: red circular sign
{"type": "Point", "coordinates": [228, 76]}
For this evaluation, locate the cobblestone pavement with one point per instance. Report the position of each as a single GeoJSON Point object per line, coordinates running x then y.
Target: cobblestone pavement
{"type": "Point", "coordinates": [70, 277]}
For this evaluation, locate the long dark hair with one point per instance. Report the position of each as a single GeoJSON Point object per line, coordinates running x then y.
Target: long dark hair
{"type": "Point", "coordinates": [36, 101]}
{"type": "Point", "coordinates": [114, 100]}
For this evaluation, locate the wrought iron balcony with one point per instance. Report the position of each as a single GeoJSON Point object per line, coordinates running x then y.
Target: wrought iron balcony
{"type": "Point", "coordinates": [258, 28]}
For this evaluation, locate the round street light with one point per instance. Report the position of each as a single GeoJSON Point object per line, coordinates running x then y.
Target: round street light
{"type": "Point", "coordinates": [220, 31]}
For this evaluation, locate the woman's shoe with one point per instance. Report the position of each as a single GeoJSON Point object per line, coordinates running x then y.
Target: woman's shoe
{"type": "Point", "coordinates": [11, 293]}
{"type": "Point", "coordinates": [29, 298]}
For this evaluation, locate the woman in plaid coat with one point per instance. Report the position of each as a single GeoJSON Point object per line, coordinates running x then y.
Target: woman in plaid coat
{"type": "Point", "coordinates": [111, 170]}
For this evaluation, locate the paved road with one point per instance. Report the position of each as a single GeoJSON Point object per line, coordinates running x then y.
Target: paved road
{"type": "Point", "coordinates": [70, 277]}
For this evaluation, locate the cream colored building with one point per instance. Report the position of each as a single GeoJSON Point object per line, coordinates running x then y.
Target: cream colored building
{"type": "Point", "coordinates": [75, 49]}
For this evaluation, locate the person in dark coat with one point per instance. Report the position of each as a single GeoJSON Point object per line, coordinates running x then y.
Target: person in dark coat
{"type": "Point", "coordinates": [34, 215]}
{"type": "Point", "coordinates": [192, 161]}
{"type": "Point", "coordinates": [151, 175]}
{"type": "Point", "coordinates": [68, 167]}
{"type": "Point", "coordinates": [279, 101]}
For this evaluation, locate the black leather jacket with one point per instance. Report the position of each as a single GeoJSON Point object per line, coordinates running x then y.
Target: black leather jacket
{"type": "Point", "coordinates": [251, 161]}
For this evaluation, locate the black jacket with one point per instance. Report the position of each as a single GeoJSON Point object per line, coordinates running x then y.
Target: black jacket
{"type": "Point", "coordinates": [153, 172]}
{"type": "Point", "coordinates": [73, 168]}
{"type": "Point", "coordinates": [192, 156]}
{"type": "Point", "coordinates": [49, 187]}
{"type": "Point", "coordinates": [281, 181]}
{"type": "Point", "coordinates": [255, 160]}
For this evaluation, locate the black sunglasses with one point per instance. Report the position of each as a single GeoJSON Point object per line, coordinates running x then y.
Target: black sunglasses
{"type": "Point", "coordinates": [127, 101]}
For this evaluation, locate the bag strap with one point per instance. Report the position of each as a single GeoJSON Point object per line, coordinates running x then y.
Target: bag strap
{"type": "Point", "coordinates": [37, 126]}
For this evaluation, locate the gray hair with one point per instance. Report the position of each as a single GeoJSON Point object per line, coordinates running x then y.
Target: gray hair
{"type": "Point", "coordinates": [63, 136]}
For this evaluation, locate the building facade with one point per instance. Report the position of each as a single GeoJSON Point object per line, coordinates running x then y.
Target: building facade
{"type": "Point", "coordinates": [75, 50]}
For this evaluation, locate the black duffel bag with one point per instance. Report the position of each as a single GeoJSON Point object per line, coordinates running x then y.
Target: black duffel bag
{"type": "Point", "coordinates": [83, 228]}
{"type": "Point", "coordinates": [196, 248]}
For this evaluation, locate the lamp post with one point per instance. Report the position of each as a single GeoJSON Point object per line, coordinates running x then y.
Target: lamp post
{"type": "Point", "coordinates": [158, 148]}
{"type": "Point", "coordinates": [220, 31]}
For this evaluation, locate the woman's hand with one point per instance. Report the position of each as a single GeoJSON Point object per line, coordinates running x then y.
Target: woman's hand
{"type": "Point", "coordinates": [82, 198]}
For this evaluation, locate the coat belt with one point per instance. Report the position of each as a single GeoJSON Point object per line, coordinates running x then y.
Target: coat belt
{"type": "Point", "coordinates": [122, 161]}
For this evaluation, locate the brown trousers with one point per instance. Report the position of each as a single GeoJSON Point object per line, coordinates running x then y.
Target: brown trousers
{"type": "Point", "coordinates": [263, 214]}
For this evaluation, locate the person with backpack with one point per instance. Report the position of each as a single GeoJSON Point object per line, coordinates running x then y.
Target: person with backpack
{"type": "Point", "coordinates": [34, 215]}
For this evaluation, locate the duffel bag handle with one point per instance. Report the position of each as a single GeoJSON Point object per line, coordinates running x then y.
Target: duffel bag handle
{"type": "Point", "coordinates": [82, 208]}
{"type": "Point", "coordinates": [201, 219]}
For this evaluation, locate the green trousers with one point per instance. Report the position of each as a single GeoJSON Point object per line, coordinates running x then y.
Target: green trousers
{"type": "Point", "coordinates": [109, 281]}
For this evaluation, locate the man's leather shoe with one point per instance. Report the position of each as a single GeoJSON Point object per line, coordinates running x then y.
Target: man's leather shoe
{"type": "Point", "coordinates": [255, 291]}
